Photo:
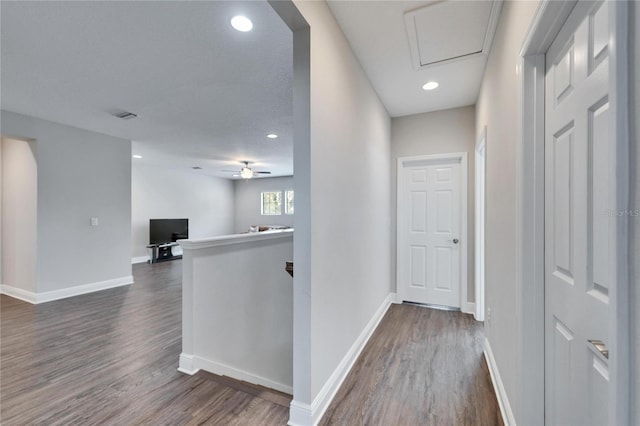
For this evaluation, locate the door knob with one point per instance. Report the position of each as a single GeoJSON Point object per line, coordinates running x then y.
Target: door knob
{"type": "Point", "coordinates": [455, 241]}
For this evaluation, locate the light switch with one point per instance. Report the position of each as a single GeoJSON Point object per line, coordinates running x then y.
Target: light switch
{"type": "Point", "coordinates": [94, 221]}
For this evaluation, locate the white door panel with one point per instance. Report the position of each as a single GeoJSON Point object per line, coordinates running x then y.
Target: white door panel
{"type": "Point", "coordinates": [577, 230]}
{"type": "Point", "coordinates": [429, 216]}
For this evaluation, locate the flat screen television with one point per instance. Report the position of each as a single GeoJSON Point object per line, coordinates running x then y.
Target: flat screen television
{"type": "Point", "coordinates": [162, 231]}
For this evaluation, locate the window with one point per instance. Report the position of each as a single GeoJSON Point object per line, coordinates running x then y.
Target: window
{"type": "Point", "coordinates": [288, 202]}
{"type": "Point", "coordinates": [271, 203]}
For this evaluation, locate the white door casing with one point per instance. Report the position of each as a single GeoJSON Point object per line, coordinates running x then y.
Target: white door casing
{"type": "Point", "coordinates": [530, 283]}
{"type": "Point", "coordinates": [432, 229]}
{"type": "Point", "coordinates": [579, 179]}
{"type": "Point", "coordinates": [480, 167]}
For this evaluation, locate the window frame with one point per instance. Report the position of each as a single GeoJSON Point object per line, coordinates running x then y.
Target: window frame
{"type": "Point", "coordinates": [286, 202]}
{"type": "Point", "coordinates": [262, 204]}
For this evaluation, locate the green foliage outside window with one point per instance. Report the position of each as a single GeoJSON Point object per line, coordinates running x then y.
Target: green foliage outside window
{"type": "Point", "coordinates": [271, 203]}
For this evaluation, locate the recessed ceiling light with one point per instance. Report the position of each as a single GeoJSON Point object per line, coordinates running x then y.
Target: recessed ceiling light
{"type": "Point", "coordinates": [137, 156]}
{"type": "Point", "coordinates": [430, 85]}
{"type": "Point", "coordinates": [241, 23]}
{"type": "Point", "coordinates": [272, 136]}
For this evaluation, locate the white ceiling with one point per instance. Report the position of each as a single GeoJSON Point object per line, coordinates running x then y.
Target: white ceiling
{"type": "Point", "coordinates": [206, 95]}
{"type": "Point", "coordinates": [379, 37]}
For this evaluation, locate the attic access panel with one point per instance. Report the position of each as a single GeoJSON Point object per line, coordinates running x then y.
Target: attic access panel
{"type": "Point", "coordinates": [447, 31]}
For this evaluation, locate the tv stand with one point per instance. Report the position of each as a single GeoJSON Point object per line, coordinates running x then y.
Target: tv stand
{"type": "Point", "coordinates": [162, 252]}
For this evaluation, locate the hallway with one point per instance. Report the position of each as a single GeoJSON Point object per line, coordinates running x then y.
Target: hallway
{"type": "Point", "coordinates": [421, 366]}
{"type": "Point", "coordinates": [110, 357]}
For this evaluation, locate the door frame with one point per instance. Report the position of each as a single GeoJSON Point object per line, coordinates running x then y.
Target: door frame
{"type": "Point", "coordinates": [546, 24]}
{"type": "Point", "coordinates": [402, 163]}
{"type": "Point", "coordinates": [479, 223]}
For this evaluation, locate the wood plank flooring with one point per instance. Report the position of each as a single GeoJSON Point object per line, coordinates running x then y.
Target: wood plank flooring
{"type": "Point", "coordinates": [111, 357]}
{"type": "Point", "coordinates": [421, 367]}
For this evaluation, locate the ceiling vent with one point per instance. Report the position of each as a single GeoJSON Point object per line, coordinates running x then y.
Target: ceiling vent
{"type": "Point", "coordinates": [125, 115]}
{"type": "Point", "coordinates": [447, 31]}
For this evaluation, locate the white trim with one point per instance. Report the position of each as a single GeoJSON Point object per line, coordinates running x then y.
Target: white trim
{"type": "Point", "coordinates": [226, 240]}
{"type": "Point", "coordinates": [464, 177]}
{"type": "Point", "coordinates": [64, 293]}
{"type": "Point", "coordinates": [492, 25]}
{"type": "Point", "coordinates": [190, 364]}
{"type": "Point", "coordinates": [305, 414]}
{"type": "Point", "coordinates": [548, 20]}
{"type": "Point", "coordinates": [18, 293]}
{"type": "Point", "coordinates": [140, 259]}
{"type": "Point", "coordinates": [186, 364]}
{"type": "Point", "coordinates": [215, 367]}
{"type": "Point", "coordinates": [479, 215]}
{"type": "Point", "coordinates": [300, 414]}
{"type": "Point", "coordinates": [470, 308]}
{"type": "Point", "coordinates": [501, 393]}
{"type": "Point", "coordinates": [529, 397]}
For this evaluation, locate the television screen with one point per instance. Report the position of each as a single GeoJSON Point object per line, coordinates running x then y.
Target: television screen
{"type": "Point", "coordinates": [162, 231]}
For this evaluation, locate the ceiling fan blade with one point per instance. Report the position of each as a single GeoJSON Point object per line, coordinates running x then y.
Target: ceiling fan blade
{"type": "Point", "coordinates": [261, 173]}
{"type": "Point", "coordinates": [229, 171]}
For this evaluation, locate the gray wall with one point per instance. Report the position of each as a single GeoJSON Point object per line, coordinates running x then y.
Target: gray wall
{"type": "Point", "coordinates": [160, 193]}
{"type": "Point", "coordinates": [497, 109]}
{"type": "Point", "coordinates": [248, 202]}
{"type": "Point", "coordinates": [349, 243]}
{"type": "Point", "coordinates": [19, 214]}
{"type": "Point", "coordinates": [634, 118]}
{"type": "Point", "coordinates": [439, 132]}
{"type": "Point", "coordinates": [81, 174]}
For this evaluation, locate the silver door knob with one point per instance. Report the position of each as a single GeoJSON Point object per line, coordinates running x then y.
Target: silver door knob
{"type": "Point", "coordinates": [455, 241]}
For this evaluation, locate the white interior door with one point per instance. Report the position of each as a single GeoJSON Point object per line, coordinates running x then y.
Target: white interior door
{"type": "Point", "coordinates": [429, 245]}
{"type": "Point", "coordinates": [578, 232]}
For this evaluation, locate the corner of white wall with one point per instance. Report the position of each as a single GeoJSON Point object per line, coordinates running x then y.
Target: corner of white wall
{"type": "Point", "coordinates": [302, 414]}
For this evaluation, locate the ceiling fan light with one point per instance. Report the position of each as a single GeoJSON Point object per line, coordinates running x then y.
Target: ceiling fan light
{"type": "Point", "coordinates": [246, 173]}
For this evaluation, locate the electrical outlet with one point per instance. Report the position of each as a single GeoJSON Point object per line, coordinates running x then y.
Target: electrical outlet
{"type": "Point", "coordinates": [488, 316]}
{"type": "Point", "coordinates": [94, 221]}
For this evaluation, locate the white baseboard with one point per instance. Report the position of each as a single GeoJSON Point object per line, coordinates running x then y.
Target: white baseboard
{"type": "Point", "coordinates": [503, 401]}
{"type": "Point", "coordinates": [302, 414]}
{"type": "Point", "coordinates": [18, 293]}
{"type": "Point", "coordinates": [186, 365]}
{"type": "Point", "coordinates": [191, 364]}
{"type": "Point", "coordinates": [469, 308]}
{"type": "Point", "coordinates": [63, 293]}
{"type": "Point", "coordinates": [140, 259]}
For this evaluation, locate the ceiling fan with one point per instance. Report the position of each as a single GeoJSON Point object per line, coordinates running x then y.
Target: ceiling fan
{"type": "Point", "coordinates": [246, 172]}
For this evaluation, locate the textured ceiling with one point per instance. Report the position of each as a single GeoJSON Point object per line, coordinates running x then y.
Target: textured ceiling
{"type": "Point", "coordinates": [206, 95]}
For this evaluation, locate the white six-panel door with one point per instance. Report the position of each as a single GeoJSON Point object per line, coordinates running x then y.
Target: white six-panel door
{"type": "Point", "coordinates": [429, 232]}
{"type": "Point", "coordinates": [577, 228]}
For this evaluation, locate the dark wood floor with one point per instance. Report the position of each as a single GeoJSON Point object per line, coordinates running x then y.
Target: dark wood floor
{"type": "Point", "coordinates": [111, 357]}
{"type": "Point", "coordinates": [421, 367]}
